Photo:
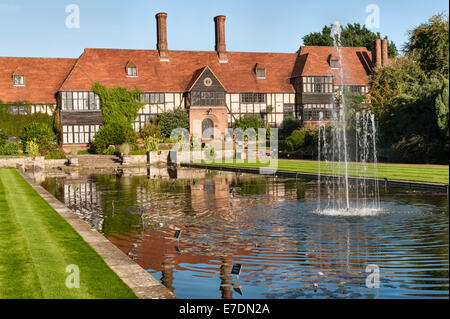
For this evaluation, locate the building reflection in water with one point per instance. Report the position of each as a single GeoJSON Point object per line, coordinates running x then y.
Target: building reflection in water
{"type": "Point", "coordinates": [81, 197]}
{"type": "Point", "coordinates": [265, 223]}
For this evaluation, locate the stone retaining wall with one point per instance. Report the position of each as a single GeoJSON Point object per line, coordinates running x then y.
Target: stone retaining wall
{"type": "Point", "coordinates": [24, 161]}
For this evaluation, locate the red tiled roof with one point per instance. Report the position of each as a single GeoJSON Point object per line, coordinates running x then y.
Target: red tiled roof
{"type": "Point", "coordinates": [106, 66]}
{"type": "Point", "coordinates": [315, 61]}
{"type": "Point", "coordinates": [46, 76]}
{"type": "Point", "coordinates": [43, 76]}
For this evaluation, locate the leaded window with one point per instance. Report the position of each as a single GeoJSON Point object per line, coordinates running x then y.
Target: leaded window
{"type": "Point", "coordinates": [79, 134]}
{"type": "Point", "coordinates": [79, 101]}
{"type": "Point", "coordinates": [153, 98]}
{"type": "Point", "coordinates": [207, 98]}
{"type": "Point", "coordinates": [253, 98]}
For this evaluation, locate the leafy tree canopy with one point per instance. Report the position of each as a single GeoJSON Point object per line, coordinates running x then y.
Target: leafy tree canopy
{"type": "Point", "coordinates": [352, 35]}
{"type": "Point", "coordinates": [428, 44]}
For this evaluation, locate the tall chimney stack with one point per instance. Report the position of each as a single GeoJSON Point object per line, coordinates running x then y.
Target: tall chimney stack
{"type": "Point", "coordinates": [161, 36]}
{"type": "Point", "coordinates": [220, 39]}
{"type": "Point", "coordinates": [376, 53]}
{"type": "Point", "coordinates": [384, 52]}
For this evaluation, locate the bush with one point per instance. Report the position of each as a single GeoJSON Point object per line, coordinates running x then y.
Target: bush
{"type": "Point", "coordinates": [113, 134]}
{"type": "Point", "coordinates": [3, 138]}
{"type": "Point", "coordinates": [111, 150]}
{"type": "Point", "coordinates": [169, 121]}
{"type": "Point", "coordinates": [32, 148]}
{"type": "Point", "coordinates": [151, 144]}
{"type": "Point", "coordinates": [289, 125]}
{"type": "Point", "coordinates": [13, 124]}
{"type": "Point", "coordinates": [249, 121]}
{"type": "Point", "coordinates": [150, 129]}
{"type": "Point", "coordinates": [11, 148]}
{"type": "Point", "coordinates": [296, 140]}
{"type": "Point", "coordinates": [55, 154]}
{"type": "Point", "coordinates": [40, 133]}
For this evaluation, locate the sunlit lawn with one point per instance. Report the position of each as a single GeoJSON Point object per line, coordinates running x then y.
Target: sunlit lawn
{"type": "Point", "coordinates": [420, 173]}
{"type": "Point", "coordinates": [37, 245]}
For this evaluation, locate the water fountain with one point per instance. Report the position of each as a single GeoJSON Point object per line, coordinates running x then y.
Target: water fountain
{"type": "Point", "coordinates": [333, 155]}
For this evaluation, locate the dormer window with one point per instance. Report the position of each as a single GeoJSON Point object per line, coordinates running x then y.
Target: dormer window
{"type": "Point", "coordinates": [260, 71]}
{"type": "Point", "coordinates": [19, 80]}
{"type": "Point", "coordinates": [334, 63]}
{"type": "Point", "coordinates": [131, 71]}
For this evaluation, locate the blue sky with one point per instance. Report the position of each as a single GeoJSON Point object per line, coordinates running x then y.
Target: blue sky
{"type": "Point", "coordinates": [38, 28]}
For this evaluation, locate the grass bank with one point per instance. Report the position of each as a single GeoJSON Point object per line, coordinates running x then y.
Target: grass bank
{"type": "Point", "coordinates": [37, 245]}
{"type": "Point", "coordinates": [406, 172]}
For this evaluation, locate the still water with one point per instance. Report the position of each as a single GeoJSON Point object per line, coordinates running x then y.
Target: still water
{"type": "Point", "coordinates": [270, 226]}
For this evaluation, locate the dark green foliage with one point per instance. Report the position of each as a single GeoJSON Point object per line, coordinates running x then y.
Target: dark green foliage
{"type": "Point", "coordinates": [249, 121]}
{"type": "Point", "coordinates": [353, 35]}
{"type": "Point", "coordinates": [169, 121]}
{"type": "Point", "coordinates": [150, 129]}
{"type": "Point", "coordinates": [120, 108]}
{"type": "Point", "coordinates": [302, 141]}
{"type": "Point", "coordinates": [288, 125]}
{"type": "Point", "coordinates": [13, 124]}
{"type": "Point", "coordinates": [296, 140]}
{"type": "Point", "coordinates": [118, 104]}
{"type": "Point", "coordinates": [42, 133]}
{"type": "Point", "coordinates": [428, 45]}
{"type": "Point", "coordinates": [9, 148]}
{"type": "Point", "coordinates": [441, 108]}
{"type": "Point", "coordinates": [410, 97]}
{"type": "Point", "coordinates": [3, 138]}
{"type": "Point", "coordinates": [113, 134]}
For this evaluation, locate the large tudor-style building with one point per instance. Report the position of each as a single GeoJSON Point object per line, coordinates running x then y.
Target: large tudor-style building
{"type": "Point", "coordinates": [216, 87]}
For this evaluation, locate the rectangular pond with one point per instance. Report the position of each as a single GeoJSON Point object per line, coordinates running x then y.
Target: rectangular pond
{"type": "Point", "coordinates": [271, 226]}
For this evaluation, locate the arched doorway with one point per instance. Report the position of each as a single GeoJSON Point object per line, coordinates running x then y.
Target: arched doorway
{"type": "Point", "coordinates": [207, 129]}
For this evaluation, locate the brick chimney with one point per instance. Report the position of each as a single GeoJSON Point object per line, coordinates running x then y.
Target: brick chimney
{"type": "Point", "coordinates": [384, 52]}
{"type": "Point", "coordinates": [220, 39]}
{"type": "Point", "coordinates": [161, 36]}
{"type": "Point", "coordinates": [376, 53]}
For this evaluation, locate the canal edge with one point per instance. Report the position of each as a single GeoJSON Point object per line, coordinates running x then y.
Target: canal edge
{"type": "Point", "coordinates": [293, 174]}
{"type": "Point", "coordinates": [143, 284]}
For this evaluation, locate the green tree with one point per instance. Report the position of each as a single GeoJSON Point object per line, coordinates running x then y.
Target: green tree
{"type": "Point", "coordinates": [352, 35]}
{"type": "Point", "coordinates": [249, 121]}
{"type": "Point", "coordinates": [288, 125]}
{"type": "Point", "coordinates": [441, 107]}
{"type": "Point", "coordinates": [428, 44]}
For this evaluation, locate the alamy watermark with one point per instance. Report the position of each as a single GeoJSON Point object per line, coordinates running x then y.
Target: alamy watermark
{"type": "Point", "coordinates": [373, 279]}
{"type": "Point", "coordinates": [235, 146]}
{"type": "Point", "coordinates": [373, 19]}
{"type": "Point", "coordinates": [73, 17]}
{"type": "Point", "coordinates": [73, 279]}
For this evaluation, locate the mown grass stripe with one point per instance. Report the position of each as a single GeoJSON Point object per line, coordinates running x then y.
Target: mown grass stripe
{"type": "Point", "coordinates": [406, 172]}
{"type": "Point", "coordinates": [45, 244]}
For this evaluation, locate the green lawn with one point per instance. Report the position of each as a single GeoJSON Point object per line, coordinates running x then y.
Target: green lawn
{"type": "Point", "coordinates": [420, 173]}
{"type": "Point", "coordinates": [36, 246]}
